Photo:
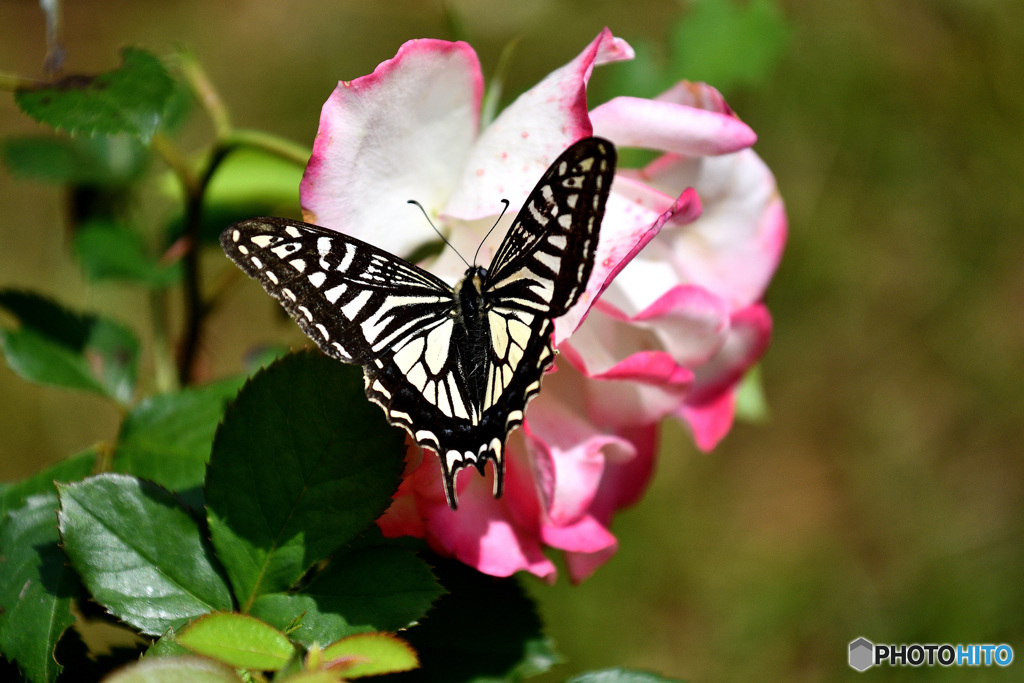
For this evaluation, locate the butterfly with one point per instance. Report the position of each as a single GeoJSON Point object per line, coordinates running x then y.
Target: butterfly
{"type": "Point", "coordinates": [455, 367]}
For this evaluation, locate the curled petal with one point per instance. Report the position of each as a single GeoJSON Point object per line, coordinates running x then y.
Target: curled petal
{"type": "Point", "coordinates": [402, 132]}
{"type": "Point", "coordinates": [748, 337]}
{"type": "Point", "coordinates": [653, 124]}
{"type": "Point", "coordinates": [699, 95]}
{"type": "Point", "coordinates": [688, 323]}
{"type": "Point", "coordinates": [626, 230]}
{"type": "Point", "coordinates": [735, 246]}
{"type": "Point", "coordinates": [623, 484]}
{"type": "Point", "coordinates": [620, 403]}
{"type": "Point", "coordinates": [573, 452]}
{"type": "Point", "coordinates": [710, 422]}
{"type": "Point", "coordinates": [516, 149]}
{"type": "Point", "coordinates": [587, 544]}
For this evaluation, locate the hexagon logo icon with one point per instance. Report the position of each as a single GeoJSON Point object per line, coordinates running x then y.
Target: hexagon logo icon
{"type": "Point", "coordinates": [862, 654]}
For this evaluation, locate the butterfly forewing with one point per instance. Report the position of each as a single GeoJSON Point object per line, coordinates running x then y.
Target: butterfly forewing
{"type": "Point", "coordinates": [457, 379]}
{"type": "Point", "coordinates": [546, 258]}
{"type": "Point", "coordinates": [341, 291]}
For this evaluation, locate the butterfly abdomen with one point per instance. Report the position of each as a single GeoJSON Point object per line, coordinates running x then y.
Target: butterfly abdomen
{"type": "Point", "coordinates": [474, 356]}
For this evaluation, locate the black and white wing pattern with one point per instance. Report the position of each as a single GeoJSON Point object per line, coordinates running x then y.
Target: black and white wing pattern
{"type": "Point", "coordinates": [455, 367]}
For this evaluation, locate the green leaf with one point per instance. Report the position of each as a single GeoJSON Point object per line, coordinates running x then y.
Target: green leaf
{"type": "Point", "coordinates": [379, 588]}
{"type": "Point", "coordinates": [724, 43]}
{"type": "Point", "coordinates": [36, 588]}
{"type": "Point", "coordinates": [130, 99]}
{"type": "Point", "coordinates": [108, 251]}
{"type": "Point", "coordinates": [620, 676]}
{"type": "Point", "coordinates": [167, 438]}
{"type": "Point", "coordinates": [249, 175]}
{"type": "Point", "coordinates": [247, 183]}
{"type": "Point", "coordinates": [369, 654]}
{"type": "Point", "coordinates": [105, 160]}
{"type": "Point", "coordinates": [175, 670]}
{"type": "Point", "coordinates": [166, 646]}
{"type": "Point", "coordinates": [239, 640]}
{"type": "Point", "coordinates": [58, 347]}
{"type": "Point", "coordinates": [301, 464]}
{"type": "Point", "coordinates": [139, 553]}
{"type": "Point", "coordinates": [751, 404]}
{"type": "Point", "coordinates": [71, 469]}
{"type": "Point", "coordinates": [484, 629]}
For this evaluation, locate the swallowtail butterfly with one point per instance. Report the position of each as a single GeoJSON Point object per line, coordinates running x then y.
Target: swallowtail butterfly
{"type": "Point", "coordinates": [455, 367]}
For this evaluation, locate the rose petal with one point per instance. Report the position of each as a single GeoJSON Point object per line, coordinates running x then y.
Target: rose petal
{"type": "Point", "coordinates": [515, 150]}
{"type": "Point", "coordinates": [586, 535]}
{"type": "Point", "coordinates": [688, 323]}
{"type": "Point", "coordinates": [749, 333]}
{"type": "Point", "coordinates": [699, 95]}
{"type": "Point", "coordinates": [625, 231]}
{"type": "Point", "coordinates": [711, 421]}
{"type": "Point", "coordinates": [403, 132]}
{"type": "Point", "coordinates": [651, 124]}
{"type": "Point", "coordinates": [573, 451]}
{"type": "Point", "coordinates": [735, 246]}
{"type": "Point", "coordinates": [582, 565]}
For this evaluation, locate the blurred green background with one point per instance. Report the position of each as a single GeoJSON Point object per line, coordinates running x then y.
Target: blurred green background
{"type": "Point", "coordinates": [884, 496]}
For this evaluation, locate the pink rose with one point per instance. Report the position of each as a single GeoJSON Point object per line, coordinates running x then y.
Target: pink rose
{"type": "Point", "coordinates": [671, 318]}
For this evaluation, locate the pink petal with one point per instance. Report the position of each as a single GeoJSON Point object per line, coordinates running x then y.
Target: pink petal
{"type": "Point", "coordinates": [735, 246]}
{"type": "Point", "coordinates": [625, 231]}
{"type": "Point", "coordinates": [515, 150]}
{"type": "Point", "coordinates": [687, 323]}
{"type": "Point", "coordinates": [586, 535]}
{"type": "Point", "coordinates": [653, 124]}
{"type": "Point", "coordinates": [582, 565]}
{"type": "Point", "coordinates": [618, 404]}
{"type": "Point", "coordinates": [746, 342]}
{"type": "Point", "coordinates": [699, 95]}
{"type": "Point", "coordinates": [403, 132]}
{"type": "Point", "coordinates": [482, 535]}
{"type": "Point", "coordinates": [623, 484]}
{"type": "Point", "coordinates": [711, 421]}
{"type": "Point", "coordinates": [572, 453]}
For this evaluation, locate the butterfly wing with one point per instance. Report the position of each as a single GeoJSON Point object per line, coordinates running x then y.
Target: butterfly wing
{"type": "Point", "coordinates": [422, 361]}
{"type": "Point", "coordinates": [357, 302]}
{"type": "Point", "coordinates": [363, 305]}
{"type": "Point", "coordinates": [545, 260]}
{"type": "Point", "coordinates": [539, 271]}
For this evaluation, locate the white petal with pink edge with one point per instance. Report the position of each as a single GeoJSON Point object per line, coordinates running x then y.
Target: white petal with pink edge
{"type": "Point", "coordinates": [515, 150]}
{"type": "Point", "coordinates": [403, 132]}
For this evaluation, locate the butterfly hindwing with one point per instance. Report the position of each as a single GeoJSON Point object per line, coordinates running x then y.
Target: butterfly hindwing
{"type": "Point", "coordinates": [454, 367]}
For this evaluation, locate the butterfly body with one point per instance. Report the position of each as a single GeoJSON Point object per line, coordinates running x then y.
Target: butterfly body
{"type": "Point", "coordinates": [454, 366]}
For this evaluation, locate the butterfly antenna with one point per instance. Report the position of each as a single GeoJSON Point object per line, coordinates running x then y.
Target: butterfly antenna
{"type": "Point", "coordinates": [477, 253]}
{"type": "Point", "coordinates": [413, 201]}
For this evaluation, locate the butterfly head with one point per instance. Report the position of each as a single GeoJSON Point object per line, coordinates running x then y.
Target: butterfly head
{"type": "Point", "coordinates": [476, 275]}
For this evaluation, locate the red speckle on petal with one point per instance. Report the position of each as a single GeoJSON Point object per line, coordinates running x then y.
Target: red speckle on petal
{"type": "Point", "coordinates": [607, 262]}
{"type": "Point", "coordinates": [479, 172]}
{"type": "Point", "coordinates": [525, 134]}
{"type": "Point", "coordinates": [504, 156]}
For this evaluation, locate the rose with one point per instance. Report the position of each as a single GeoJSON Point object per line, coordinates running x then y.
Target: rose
{"type": "Point", "coordinates": [679, 318]}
